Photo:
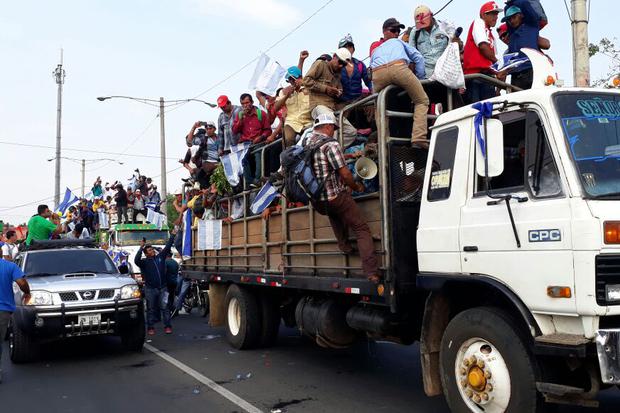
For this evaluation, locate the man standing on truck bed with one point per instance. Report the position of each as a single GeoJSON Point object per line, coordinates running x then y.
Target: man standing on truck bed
{"type": "Point", "coordinates": [153, 269]}
{"type": "Point", "coordinates": [9, 273]}
{"type": "Point", "coordinates": [336, 201]}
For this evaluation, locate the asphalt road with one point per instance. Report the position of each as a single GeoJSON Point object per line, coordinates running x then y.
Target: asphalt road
{"type": "Point", "coordinates": [96, 375]}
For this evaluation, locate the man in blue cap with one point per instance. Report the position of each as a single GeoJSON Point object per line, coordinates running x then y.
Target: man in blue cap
{"type": "Point", "coordinates": [297, 100]}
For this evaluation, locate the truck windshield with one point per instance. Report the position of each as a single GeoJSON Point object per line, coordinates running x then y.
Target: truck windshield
{"type": "Point", "coordinates": [59, 262]}
{"type": "Point", "coordinates": [134, 237]}
{"type": "Point", "coordinates": [591, 125]}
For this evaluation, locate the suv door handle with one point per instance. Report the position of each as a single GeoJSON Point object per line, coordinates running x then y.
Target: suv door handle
{"type": "Point", "coordinates": [470, 248]}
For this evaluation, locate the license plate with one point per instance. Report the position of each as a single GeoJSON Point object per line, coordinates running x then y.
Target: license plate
{"type": "Point", "coordinates": [89, 319]}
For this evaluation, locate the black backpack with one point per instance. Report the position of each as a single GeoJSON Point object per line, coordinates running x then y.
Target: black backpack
{"type": "Point", "coordinates": [300, 181]}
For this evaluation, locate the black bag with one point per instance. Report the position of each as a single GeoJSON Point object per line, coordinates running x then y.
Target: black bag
{"type": "Point", "coordinates": [300, 181]}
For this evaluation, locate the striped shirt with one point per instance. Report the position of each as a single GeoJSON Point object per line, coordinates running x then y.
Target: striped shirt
{"type": "Point", "coordinates": [326, 162]}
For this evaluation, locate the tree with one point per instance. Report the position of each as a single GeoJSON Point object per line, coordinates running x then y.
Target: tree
{"type": "Point", "coordinates": [171, 212]}
{"type": "Point", "coordinates": [608, 48]}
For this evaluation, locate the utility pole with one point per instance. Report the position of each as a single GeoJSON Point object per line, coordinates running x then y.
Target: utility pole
{"type": "Point", "coordinates": [581, 57]}
{"type": "Point", "coordinates": [83, 177]}
{"type": "Point", "coordinates": [59, 75]}
{"type": "Point", "coordinates": [164, 191]}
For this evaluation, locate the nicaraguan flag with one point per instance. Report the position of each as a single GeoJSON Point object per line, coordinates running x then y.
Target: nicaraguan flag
{"type": "Point", "coordinates": [67, 201]}
{"type": "Point", "coordinates": [187, 234]}
{"type": "Point", "coordinates": [509, 61]}
{"type": "Point", "coordinates": [233, 162]}
{"type": "Point", "coordinates": [151, 205]}
{"type": "Point", "coordinates": [265, 196]}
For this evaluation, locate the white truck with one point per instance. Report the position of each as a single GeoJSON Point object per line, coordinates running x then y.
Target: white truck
{"type": "Point", "coordinates": [500, 252]}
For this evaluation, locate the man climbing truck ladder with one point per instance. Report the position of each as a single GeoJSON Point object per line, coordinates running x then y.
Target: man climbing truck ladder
{"type": "Point", "coordinates": [499, 250]}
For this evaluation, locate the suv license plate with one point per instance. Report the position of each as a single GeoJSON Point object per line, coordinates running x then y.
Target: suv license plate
{"type": "Point", "coordinates": [89, 319]}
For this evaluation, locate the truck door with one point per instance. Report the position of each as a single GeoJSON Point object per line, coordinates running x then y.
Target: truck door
{"type": "Point", "coordinates": [542, 218]}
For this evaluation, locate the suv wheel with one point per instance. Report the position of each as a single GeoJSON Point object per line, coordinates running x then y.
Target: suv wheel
{"type": "Point", "coordinates": [22, 347]}
{"type": "Point", "coordinates": [133, 337]}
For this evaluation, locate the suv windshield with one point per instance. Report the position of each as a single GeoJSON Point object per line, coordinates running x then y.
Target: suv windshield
{"type": "Point", "coordinates": [134, 237]}
{"type": "Point", "coordinates": [591, 124]}
{"type": "Point", "coordinates": [58, 262]}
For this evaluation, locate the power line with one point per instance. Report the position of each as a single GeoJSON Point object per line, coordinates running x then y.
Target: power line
{"type": "Point", "coordinates": [444, 6]}
{"type": "Point", "coordinates": [570, 18]}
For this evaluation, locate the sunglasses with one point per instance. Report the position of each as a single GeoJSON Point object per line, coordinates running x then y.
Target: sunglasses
{"type": "Point", "coordinates": [394, 29]}
{"type": "Point", "coordinates": [210, 127]}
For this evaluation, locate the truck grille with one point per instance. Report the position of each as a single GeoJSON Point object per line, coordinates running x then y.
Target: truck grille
{"type": "Point", "coordinates": [68, 296]}
{"type": "Point", "coordinates": [88, 295]}
{"type": "Point", "coordinates": [106, 294]}
{"type": "Point", "coordinates": [607, 272]}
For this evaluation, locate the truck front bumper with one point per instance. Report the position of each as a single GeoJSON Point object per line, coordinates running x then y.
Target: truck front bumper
{"type": "Point", "coordinates": [608, 350]}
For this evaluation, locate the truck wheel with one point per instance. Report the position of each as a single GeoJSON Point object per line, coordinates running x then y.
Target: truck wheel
{"type": "Point", "coordinates": [270, 320]}
{"type": "Point", "coordinates": [485, 365]}
{"type": "Point", "coordinates": [133, 338]}
{"type": "Point", "coordinates": [22, 347]}
{"type": "Point", "coordinates": [243, 326]}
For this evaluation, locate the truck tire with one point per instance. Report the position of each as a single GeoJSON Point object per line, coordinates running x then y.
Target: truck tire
{"type": "Point", "coordinates": [22, 347]}
{"type": "Point", "coordinates": [270, 320]}
{"type": "Point", "coordinates": [243, 319]}
{"type": "Point", "coordinates": [133, 338]}
{"type": "Point", "coordinates": [485, 364]}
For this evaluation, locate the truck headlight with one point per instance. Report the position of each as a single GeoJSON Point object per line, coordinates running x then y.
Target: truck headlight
{"type": "Point", "coordinates": [612, 292]}
{"type": "Point", "coordinates": [39, 298]}
{"type": "Point", "coordinates": [130, 291]}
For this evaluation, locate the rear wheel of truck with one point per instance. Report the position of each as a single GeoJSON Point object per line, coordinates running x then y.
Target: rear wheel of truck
{"type": "Point", "coordinates": [22, 347]}
{"type": "Point", "coordinates": [243, 325]}
{"type": "Point", "coordinates": [133, 338]}
{"type": "Point", "coordinates": [485, 364]}
{"type": "Point", "coordinates": [270, 320]}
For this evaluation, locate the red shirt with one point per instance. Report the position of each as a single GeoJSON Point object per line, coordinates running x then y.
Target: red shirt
{"type": "Point", "coordinates": [473, 60]}
{"type": "Point", "coordinates": [376, 44]}
{"type": "Point", "coordinates": [250, 127]}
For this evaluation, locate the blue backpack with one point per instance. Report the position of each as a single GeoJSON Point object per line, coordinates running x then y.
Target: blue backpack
{"type": "Point", "coordinates": [300, 181]}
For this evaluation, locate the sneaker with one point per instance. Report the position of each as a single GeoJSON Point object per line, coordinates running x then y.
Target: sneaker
{"type": "Point", "coordinates": [168, 330]}
{"type": "Point", "coordinates": [150, 331]}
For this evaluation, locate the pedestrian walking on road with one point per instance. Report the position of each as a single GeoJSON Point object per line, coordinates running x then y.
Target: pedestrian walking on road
{"type": "Point", "coordinates": [9, 273]}
{"type": "Point", "coordinates": [156, 282]}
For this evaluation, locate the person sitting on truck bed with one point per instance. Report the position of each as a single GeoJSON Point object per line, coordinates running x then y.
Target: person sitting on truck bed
{"type": "Point", "coordinates": [153, 269]}
{"type": "Point", "coordinates": [390, 65]}
{"type": "Point", "coordinates": [336, 202]}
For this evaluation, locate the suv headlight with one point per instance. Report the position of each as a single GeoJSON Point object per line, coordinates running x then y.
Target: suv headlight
{"type": "Point", "coordinates": [130, 291]}
{"type": "Point", "coordinates": [39, 298]}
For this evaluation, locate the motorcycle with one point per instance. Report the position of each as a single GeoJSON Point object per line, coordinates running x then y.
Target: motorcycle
{"type": "Point", "coordinates": [197, 296]}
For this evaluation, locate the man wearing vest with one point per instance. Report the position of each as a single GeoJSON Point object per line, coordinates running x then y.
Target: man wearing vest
{"type": "Point", "coordinates": [479, 53]}
{"type": "Point", "coordinates": [254, 126]}
{"type": "Point", "coordinates": [390, 65]}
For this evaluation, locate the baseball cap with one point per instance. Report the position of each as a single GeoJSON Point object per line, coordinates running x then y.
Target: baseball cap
{"type": "Point", "coordinates": [421, 9]}
{"type": "Point", "coordinates": [320, 110]}
{"type": "Point", "coordinates": [489, 7]}
{"type": "Point", "coordinates": [293, 72]}
{"type": "Point", "coordinates": [510, 11]}
{"type": "Point", "coordinates": [392, 22]}
{"type": "Point", "coordinates": [210, 124]}
{"type": "Point", "coordinates": [344, 54]}
{"type": "Point", "coordinates": [222, 101]}
{"type": "Point", "coordinates": [345, 41]}
{"type": "Point", "coordinates": [326, 119]}
{"type": "Point", "coordinates": [502, 29]}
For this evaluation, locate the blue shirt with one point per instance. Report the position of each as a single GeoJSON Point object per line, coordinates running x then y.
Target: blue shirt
{"type": "Point", "coordinates": [430, 44]}
{"type": "Point", "coordinates": [9, 273]}
{"type": "Point", "coordinates": [526, 35]}
{"type": "Point", "coordinates": [352, 86]}
{"type": "Point", "coordinates": [396, 49]}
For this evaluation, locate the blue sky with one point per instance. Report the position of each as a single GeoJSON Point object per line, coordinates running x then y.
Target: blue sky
{"type": "Point", "coordinates": [175, 49]}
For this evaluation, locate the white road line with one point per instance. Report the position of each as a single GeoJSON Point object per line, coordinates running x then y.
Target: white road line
{"type": "Point", "coordinates": [205, 380]}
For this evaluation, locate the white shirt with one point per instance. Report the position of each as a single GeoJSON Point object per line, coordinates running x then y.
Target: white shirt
{"type": "Point", "coordinates": [10, 250]}
{"type": "Point", "coordinates": [482, 34]}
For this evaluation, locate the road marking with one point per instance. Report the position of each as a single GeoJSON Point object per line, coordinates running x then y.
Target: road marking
{"type": "Point", "coordinates": [205, 380]}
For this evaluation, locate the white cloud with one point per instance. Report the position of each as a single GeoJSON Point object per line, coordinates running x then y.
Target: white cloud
{"type": "Point", "coordinates": [274, 13]}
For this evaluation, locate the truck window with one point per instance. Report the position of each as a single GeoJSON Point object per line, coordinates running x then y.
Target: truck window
{"type": "Point", "coordinates": [543, 179]}
{"type": "Point", "coordinates": [443, 164]}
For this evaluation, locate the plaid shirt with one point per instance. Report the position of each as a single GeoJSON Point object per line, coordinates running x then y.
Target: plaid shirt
{"type": "Point", "coordinates": [327, 160]}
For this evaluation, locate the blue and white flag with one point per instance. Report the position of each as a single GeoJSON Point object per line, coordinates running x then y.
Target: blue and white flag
{"type": "Point", "coordinates": [187, 235]}
{"type": "Point", "coordinates": [264, 198]}
{"type": "Point", "coordinates": [510, 61]}
{"type": "Point", "coordinates": [151, 205]}
{"type": "Point", "coordinates": [209, 234]}
{"type": "Point", "coordinates": [67, 201]}
{"type": "Point", "coordinates": [233, 162]}
{"type": "Point", "coordinates": [89, 196]}
{"type": "Point", "coordinates": [267, 75]}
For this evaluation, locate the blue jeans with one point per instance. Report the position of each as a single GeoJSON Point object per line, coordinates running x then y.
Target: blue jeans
{"type": "Point", "coordinates": [182, 287]}
{"type": "Point", "coordinates": [156, 307]}
{"type": "Point", "coordinates": [250, 177]}
{"type": "Point", "coordinates": [478, 90]}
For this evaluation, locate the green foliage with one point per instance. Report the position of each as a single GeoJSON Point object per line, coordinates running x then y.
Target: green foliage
{"type": "Point", "coordinates": [171, 212]}
{"type": "Point", "coordinates": [607, 48]}
{"type": "Point", "coordinates": [218, 178]}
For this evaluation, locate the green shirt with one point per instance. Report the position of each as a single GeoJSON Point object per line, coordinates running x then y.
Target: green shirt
{"type": "Point", "coordinates": [39, 228]}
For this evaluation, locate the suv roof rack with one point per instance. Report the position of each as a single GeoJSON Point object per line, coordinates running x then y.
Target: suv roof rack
{"type": "Point", "coordinates": [61, 243]}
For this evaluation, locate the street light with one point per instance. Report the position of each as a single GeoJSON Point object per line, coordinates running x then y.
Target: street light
{"type": "Point", "coordinates": [162, 102]}
{"type": "Point", "coordinates": [83, 162]}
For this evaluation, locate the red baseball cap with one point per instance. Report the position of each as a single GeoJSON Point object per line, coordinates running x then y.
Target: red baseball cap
{"type": "Point", "coordinates": [502, 29]}
{"type": "Point", "coordinates": [489, 7]}
{"type": "Point", "coordinates": [222, 101]}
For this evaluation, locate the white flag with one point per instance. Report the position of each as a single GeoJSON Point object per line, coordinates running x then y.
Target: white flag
{"type": "Point", "coordinates": [209, 236]}
{"type": "Point", "coordinates": [267, 75]}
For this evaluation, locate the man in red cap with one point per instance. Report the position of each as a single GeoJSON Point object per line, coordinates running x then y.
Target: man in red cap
{"type": "Point", "coordinates": [479, 52]}
{"type": "Point", "coordinates": [225, 135]}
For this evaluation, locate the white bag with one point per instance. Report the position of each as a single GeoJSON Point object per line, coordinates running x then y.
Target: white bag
{"type": "Point", "coordinates": [448, 70]}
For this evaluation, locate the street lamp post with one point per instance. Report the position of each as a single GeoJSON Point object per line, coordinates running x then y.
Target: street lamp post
{"type": "Point", "coordinates": [162, 128]}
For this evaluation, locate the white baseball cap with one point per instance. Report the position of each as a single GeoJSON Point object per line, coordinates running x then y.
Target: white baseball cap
{"type": "Point", "coordinates": [344, 54]}
{"type": "Point", "coordinates": [326, 119]}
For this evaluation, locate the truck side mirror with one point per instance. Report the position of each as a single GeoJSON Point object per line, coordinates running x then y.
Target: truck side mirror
{"type": "Point", "coordinates": [494, 149]}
